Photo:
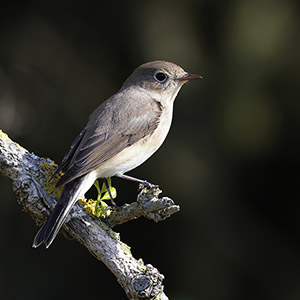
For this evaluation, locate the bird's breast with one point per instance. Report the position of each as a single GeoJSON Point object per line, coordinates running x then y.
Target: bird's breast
{"type": "Point", "coordinates": [134, 155]}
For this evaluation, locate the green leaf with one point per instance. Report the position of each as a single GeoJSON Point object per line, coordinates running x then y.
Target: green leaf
{"type": "Point", "coordinates": [103, 194]}
{"type": "Point", "coordinates": [109, 182]}
{"type": "Point", "coordinates": [100, 208]}
{"type": "Point", "coordinates": [113, 192]}
{"type": "Point", "coordinates": [96, 184]}
{"type": "Point", "coordinates": [103, 188]}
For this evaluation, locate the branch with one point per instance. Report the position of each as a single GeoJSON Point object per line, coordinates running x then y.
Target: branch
{"type": "Point", "coordinates": [148, 205]}
{"type": "Point", "coordinates": [30, 175]}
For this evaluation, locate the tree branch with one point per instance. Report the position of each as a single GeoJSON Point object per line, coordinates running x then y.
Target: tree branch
{"type": "Point", "coordinates": [30, 175]}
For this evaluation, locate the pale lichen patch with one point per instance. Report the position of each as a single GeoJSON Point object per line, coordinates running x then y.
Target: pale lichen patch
{"type": "Point", "coordinates": [50, 185]}
{"type": "Point", "coordinates": [126, 248]}
{"type": "Point", "coordinates": [3, 136]}
{"type": "Point", "coordinates": [20, 147]}
{"type": "Point", "coordinates": [141, 265]}
{"type": "Point", "coordinates": [158, 297]}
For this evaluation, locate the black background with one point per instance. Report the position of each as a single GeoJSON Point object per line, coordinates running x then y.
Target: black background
{"type": "Point", "coordinates": [231, 159]}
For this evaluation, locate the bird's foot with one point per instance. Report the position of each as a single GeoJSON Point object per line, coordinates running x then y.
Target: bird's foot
{"type": "Point", "coordinates": [146, 184]}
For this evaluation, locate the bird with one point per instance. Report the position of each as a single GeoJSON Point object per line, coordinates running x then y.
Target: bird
{"type": "Point", "coordinates": [121, 134]}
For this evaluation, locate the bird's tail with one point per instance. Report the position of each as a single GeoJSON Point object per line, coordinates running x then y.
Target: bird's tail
{"type": "Point", "coordinates": [47, 233]}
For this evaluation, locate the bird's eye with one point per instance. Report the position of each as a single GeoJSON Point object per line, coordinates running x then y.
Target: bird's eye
{"type": "Point", "coordinates": [160, 77]}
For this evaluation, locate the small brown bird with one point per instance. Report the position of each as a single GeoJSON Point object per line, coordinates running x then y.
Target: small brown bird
{"type": "Point", "coordinates": [122, 133]}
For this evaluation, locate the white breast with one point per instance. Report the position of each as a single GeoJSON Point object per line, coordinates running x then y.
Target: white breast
{"type": "Point", "coordinates": [139, 152]}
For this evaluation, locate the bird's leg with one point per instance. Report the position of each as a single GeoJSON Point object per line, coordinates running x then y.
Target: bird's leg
{"type": "Point", "coordinates": [143, 182]}
{"type": "Point", "coordinates": [109, 192]}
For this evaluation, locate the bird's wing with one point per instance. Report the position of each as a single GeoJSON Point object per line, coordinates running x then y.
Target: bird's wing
{"type": "Point", "coordinates": [68, 156]}
{"type": "Point", "coordinates": [113, 126]}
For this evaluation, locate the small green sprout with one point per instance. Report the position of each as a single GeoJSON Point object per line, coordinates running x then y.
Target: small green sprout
{"type": "Point", "coordinates": [99, 208]}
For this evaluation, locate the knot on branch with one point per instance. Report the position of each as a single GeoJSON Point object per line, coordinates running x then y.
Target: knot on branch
{"type": "Point", "coordinates": [147, 285]}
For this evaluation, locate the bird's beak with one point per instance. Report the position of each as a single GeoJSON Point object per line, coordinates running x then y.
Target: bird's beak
{"type": "Point", "coordinates": [188, 77]}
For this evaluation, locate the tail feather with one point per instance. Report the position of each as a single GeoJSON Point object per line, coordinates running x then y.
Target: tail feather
{"type": "Point", "coordinates": [47, 233]}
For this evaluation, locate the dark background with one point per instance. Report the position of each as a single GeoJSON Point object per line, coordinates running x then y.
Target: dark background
{"type": "Point", "coordinates": [231, 159]}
